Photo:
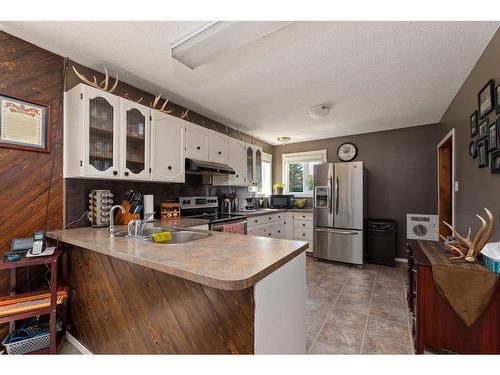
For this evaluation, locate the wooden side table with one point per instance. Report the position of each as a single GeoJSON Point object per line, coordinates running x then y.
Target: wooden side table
{"type": "Point", "coordinates": [24, 312]}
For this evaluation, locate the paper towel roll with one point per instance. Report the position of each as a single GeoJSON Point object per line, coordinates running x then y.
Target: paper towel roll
{"type": "Point", "coordinates": [149, 205]}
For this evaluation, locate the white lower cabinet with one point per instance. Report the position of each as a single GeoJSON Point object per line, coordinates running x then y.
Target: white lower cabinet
{"type": "Point", "coordinates": [283, 225]}
{"type": "Point", "coordinates": [303, 228]}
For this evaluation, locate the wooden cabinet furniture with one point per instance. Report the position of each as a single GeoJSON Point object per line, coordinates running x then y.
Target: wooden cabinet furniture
{"type": "Point", "coordinates": [27, 309]}
{"type": "Point", "coordinates": [254, 165]}
{"type": "Point", "coordinates": [197, 142]}
{"type": "Point", "coordinates": [219, 144]}
{"type": "Point", "coordinates": [134, 140]}
{"type": "Point", "coordinates": [435, 324]}
{"type": "Point", "coordinates": [284, 225]}
{"type": "Point", "coordinates": [167, 148]}
{"type": "Point", "coordinates": [109, 137]}
{"type": "Point", "coordinates": [303, 228]}
{"type": "Point", "coordinates": [91, 133]}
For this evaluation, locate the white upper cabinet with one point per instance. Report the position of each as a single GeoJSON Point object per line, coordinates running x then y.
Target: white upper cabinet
{"type": "Point", "coordinates": [219, 144]}
{"type": "Point", "coordinates": [91, 133]}
{"type": "Point", "coordinates": [134, 140]}
{"type": "Point", "coordinates": [167, 148]}
{"type": "Point", "coordinates": [237, 160]}
{"type": "Point", "coordinates": [253, 165]}
{"type": "Point", "coordinates": [197, 142]}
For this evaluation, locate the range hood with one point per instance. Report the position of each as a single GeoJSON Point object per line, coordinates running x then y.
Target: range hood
{"type": "Point", "coordinates": [207, 168]}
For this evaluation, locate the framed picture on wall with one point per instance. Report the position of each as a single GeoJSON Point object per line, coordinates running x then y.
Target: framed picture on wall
{"type": "Point", "coordinates": [24, 124]}
{"type": "Point", "coordinates": [473, 124]}
{"type": "Point", "coordinates": [495, 162]}
{"type": "Point", "coordinates": [497, 99]}
{"type": "Point", "coordinates": [483, 129]}
{"type": "Point", "coordinates": [485, 99]}
{"type": "Point", "coordinates": [482, 153]}
{"type": "Point", "coordinates": [493, 136]}
{"type": "Point", "coordinates": [473, 149]}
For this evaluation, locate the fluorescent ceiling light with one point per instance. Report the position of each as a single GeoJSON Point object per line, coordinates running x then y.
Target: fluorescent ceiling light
{"type": "Point", "coordinates": [218, 38]}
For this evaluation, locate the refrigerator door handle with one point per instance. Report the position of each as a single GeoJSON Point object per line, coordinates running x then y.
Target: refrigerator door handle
{"type": "Point", "coordinates": [337, 185]}
{"type": "Point", "coordinates": [337, 231]}
{"type": "Point", "coordinates": [330, 203]}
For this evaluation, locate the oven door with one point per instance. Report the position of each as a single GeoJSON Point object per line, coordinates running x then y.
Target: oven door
{"type": "Point", "coordinates": [236, 227]}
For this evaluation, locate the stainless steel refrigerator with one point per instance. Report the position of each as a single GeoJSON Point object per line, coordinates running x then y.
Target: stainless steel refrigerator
{"type": "Point", "coordinates": [339, 212]}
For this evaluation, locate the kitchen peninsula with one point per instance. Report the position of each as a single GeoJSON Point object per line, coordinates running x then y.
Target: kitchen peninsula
{"type": "Point", "coordinates": [225, 293]}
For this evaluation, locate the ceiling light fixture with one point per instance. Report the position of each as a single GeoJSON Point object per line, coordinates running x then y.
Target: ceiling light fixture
{"type": "Point", "coordinates": [318, 111]}
{"type": "Point", "coordinates": [218, 38]}
{"type": "Point", "coordinates": [284, 140]}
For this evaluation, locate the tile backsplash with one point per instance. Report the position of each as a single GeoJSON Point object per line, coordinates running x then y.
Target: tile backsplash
{"type": "Point", "coordinates": [77, 190]}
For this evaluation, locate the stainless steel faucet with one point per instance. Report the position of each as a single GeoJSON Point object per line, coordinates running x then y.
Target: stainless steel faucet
{"type": "Point", "coordinates": [136, 227]}
{"type": "Point", "coordinates": [112, 229]}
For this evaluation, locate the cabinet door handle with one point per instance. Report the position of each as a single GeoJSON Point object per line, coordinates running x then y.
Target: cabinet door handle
{"type": "Point", "coordinates": [220, 153]}
{"type": "Point", "coordinates": [126, 173]}
{"type": "Point", "coordinates": [198, 147]}
{"type": "Point", "coordinates": [303, 225]}
{"type": "Point", "coordinates": [115, 173]}
{"type": "Point", "coordinates": [169, 167]}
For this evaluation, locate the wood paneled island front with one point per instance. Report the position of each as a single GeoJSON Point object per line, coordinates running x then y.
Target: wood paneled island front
{"type": "Point", "coordinates": [226, 293]}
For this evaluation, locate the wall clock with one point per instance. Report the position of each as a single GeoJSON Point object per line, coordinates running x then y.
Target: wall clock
{"type": "Point", "coordinates": [347, 151]}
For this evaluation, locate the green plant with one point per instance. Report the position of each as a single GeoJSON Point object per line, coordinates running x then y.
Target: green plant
{"type": "Point", "coordinates": [279, 185]}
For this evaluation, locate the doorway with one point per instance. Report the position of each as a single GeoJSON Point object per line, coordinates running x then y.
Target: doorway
{"type": "Point", "coordinates": [446, 178]}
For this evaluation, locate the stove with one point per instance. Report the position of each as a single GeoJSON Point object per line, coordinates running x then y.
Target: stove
{"type": "Point", "coordinates": [208, 208]}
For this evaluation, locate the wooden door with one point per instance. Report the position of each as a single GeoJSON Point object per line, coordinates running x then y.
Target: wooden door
{"type": "Point", "coordinates": [445, 176]}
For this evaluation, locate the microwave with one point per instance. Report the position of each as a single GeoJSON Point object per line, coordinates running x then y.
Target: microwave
{"type": "Point", "coordinates": [281, 201]}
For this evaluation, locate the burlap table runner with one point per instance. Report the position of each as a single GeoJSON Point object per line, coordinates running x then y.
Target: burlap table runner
{"type": "Point", "coordinates": [467, 287]}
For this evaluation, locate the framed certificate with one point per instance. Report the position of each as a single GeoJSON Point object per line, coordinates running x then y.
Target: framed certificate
{"type": "Point", "coordinates": [24, 124]}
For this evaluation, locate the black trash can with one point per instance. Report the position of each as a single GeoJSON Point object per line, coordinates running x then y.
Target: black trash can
{"type": "Point", "coordinates": [381, 242]}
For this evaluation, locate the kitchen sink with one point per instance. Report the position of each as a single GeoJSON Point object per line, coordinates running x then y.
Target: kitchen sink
{"type": "Point", "coordinates": [178, 235]}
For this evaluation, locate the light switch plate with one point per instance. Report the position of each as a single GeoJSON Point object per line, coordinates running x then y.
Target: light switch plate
{"type": "Point", "coordinates": [456, 186]}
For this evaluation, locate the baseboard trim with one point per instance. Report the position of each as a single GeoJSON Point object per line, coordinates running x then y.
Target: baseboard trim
{"type": "Point", "coordinates": [77, 344]}
{"type": "Point", "coordinates": [402, 260]}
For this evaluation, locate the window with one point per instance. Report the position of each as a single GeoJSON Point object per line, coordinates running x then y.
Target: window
{"type": "Point", "coordinates": [298, 171]}
{"type": "Point", "coordinates": [267, 175]}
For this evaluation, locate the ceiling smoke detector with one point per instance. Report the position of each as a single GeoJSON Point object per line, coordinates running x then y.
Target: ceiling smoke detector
{"type": "Point", "coordinates": [284, 140]}
{"type": "Point", "coordinates": [318, 111]}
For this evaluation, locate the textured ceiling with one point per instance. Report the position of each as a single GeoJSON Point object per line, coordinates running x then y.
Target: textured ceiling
{"type": "Point", "coordinates": [374, 75]}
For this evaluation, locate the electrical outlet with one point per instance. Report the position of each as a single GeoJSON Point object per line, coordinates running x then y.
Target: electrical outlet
{"type": "Point", "coordinates": [456, 186]}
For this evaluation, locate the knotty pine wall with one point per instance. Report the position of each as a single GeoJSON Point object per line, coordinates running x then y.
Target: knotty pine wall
{"type": "Point", "coordinates": [27, 71]}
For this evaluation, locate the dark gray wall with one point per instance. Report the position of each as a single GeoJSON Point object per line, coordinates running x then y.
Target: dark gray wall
{"type": "Point", "coordinates": [400, 166]}
{"type": "Point", "coordinates": [478, 188]}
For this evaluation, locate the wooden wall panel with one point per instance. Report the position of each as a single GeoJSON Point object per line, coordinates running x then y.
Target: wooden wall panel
{"type": "Point", "coordinates": [122, 308]}
{"type": "Point", "coordinates": [27, 71]}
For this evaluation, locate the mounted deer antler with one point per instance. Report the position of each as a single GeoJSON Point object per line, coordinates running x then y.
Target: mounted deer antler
{"type": "Point", "coordinates": [129, 98]}
{"type": "Point", "coordinates": [184, 115]}
{"type": "Point", "coordinates": [101, 86]}
{"type": "Point", "coordinates": [156, 101]}
{"type": "Point", "coordinates": [471, 249]}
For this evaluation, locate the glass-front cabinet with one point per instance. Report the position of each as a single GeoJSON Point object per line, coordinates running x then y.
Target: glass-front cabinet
{"type": "Point", "coordinates": [101, 136]}
{"type": "Point", "coordinates": [135, 128]}
{"type": "Point", "coordinates": [258, 167]}
{"type": "Point", "coordinates": [250, 164]}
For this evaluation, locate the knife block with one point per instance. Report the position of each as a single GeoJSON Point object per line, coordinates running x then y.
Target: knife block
{"type": "Point", "coordinates": [124, 219]}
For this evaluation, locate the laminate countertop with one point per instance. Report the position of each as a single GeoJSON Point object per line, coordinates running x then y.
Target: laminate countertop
{"type": "Point", "coordinates": [224, 261]}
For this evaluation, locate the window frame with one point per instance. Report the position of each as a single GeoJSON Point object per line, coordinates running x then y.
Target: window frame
{"type": "Point", "coordinates": [305, 156]}
{"type": "Point", "coordinates": [266, 158]}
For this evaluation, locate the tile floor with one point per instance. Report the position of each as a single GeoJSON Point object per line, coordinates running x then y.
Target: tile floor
{"type": "Point", "coordinates": [352, 310]}
{"type": "Point", "coordinates": [356, 311]}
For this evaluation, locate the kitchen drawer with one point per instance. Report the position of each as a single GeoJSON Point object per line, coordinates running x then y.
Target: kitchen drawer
{"type": "Point", "coordinates": [257, 220]}
{"type": "Point", "coordinates": [303, 234]}
{"type": "Point", "coordinates": [280, 229]}
{"type": "Point", "coordinates": [270, 230]}
{"type": "Point", "coordinates": [303, 216]}
{"type": "Point", "coordinates": [302, 224]}
{"type": "Point", "coordinates": [253, 231]}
